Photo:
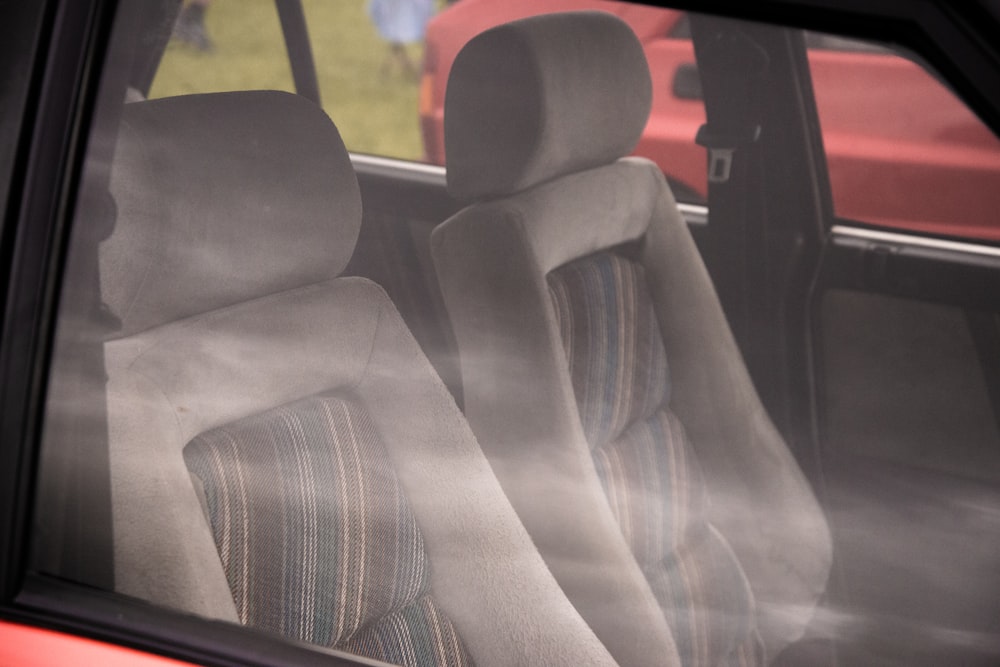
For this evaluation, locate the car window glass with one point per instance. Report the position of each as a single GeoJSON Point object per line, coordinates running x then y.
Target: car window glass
{"type": "Point", "coordinates": [368, 63]}
{"type": "Point", "coordinates": [220, 45]}
{"type": "Point", "coordinates": [903, 152]}
{"type": "Point", "coordinates": [228, 372]}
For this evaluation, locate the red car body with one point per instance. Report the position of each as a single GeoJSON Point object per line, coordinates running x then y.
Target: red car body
{"type": "Point", "coordinates": [902, 151]}
{"type": "Point", "coordinates": [27, 646]}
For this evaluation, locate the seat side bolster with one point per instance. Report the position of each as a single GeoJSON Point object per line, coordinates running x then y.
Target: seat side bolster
{"type": "Point", "coordinates": [170, 383]}
{"type": "Point", "coordinates": [487, 575]}
{"type": "Point", "coordinates": [510, 346]}
{"type": "Point", "coordinates": [155, 509]}
{"type": "Point", "coordinates": [761, 501]}
{"type": "Point", "coordinates": [586, 212]}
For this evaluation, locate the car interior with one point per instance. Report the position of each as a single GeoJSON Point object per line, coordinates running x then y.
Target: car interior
{"type": "Point", "coordinates": [521, 410]}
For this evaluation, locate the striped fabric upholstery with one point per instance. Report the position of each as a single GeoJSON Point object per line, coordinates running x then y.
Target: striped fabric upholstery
{"type": "Point", "coordinates": [612, 342]}
{"type": "Point", "coordinates": [654, 486]}
{"type": "Point", "coordinates": [416, 635]}
{"type": "Point", "coordinates": [315, 536]}
{"type": "Point", "coordinates": [655, 489]}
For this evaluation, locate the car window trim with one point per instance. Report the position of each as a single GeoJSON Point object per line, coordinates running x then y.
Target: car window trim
{"type": "Point", "coordinates": [846, 234]}
{"type": "Point", "coordinates": [36, 225]}
{"type": "Point", "coordinates": [432, 174]}
{"type": "Point", "coordinates": [114, 618]}
{"type": "Point", "coordinates": [295, 30]}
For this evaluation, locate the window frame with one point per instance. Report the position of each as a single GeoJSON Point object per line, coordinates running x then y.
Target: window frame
{"type": "Point", "coordinates": [62, 84]}
{"type": "Point", "coordinates": [64, 68]}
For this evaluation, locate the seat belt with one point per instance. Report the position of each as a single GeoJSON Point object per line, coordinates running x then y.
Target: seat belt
{"type": "Point", "coordinates": [733, 71]}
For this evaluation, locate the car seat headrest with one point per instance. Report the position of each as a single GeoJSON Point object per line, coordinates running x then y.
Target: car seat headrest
{"type": "Point", "coordinates": [222, 198]}
{"type": "Point", "coordinates": [541, 97]}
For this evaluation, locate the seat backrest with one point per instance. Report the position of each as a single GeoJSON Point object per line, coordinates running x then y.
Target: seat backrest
{"type": "Point", "coordinates": [599, 372]}
{"type": "Point", "coordinates": [282, 453]}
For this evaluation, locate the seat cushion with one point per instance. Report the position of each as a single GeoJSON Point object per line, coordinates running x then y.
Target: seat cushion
{"type": "Point", "coordinates": [657, 493]}
{"type": "Point", "coordinates": [315, 535]}
{"type": "Point", "coordinates": [647, 467]}
{"type": "Point", "coordinates": [612, 341]}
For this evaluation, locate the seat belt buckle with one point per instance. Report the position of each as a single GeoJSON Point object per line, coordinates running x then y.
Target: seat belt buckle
{"type": "Point", "coordinates": [720, 164]}
{"type": "Point", "coordinates": [721, 146]}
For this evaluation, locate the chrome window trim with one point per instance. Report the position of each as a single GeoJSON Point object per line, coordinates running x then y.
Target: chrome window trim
{"type": "Point", "coordinates": [697, 214]}
{"type": "Point", "coordinates": [693, 214]}
{"type": "Point", "coordinates": [846, 232]}
{"type": "Point", "coordinates": [377, 161]}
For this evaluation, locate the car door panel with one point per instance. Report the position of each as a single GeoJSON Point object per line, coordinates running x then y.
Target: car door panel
{"type": "Point", "coordinates": [903, 336]}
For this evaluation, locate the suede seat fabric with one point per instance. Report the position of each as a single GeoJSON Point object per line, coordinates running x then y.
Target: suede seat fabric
{"type": "Point", "coordinates": [550, 186]}
{"type": "Point", "coordinates": [213, 202]}
{"type": "Point", "coordinates": [618, 366]}
{"type": "Point", "coordinates": [170, 384]}
{"type": "Point", "coordinates": [528, 88]}
{"type": "Point", "coordinates": [206, 360]}
{"type": "Point", "coordinates": [493, 260]}
{"type": "Point", "coordinates": [492, 267]}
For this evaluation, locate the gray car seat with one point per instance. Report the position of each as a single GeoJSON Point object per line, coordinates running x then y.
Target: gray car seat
{"type": "Point", "coordinates": [599, 372]}
{"type": "Point", "coordinates": [282, 453]}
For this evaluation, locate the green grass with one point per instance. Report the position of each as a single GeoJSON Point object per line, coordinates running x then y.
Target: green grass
{"type": "Point", "coordinates": [376, 111]}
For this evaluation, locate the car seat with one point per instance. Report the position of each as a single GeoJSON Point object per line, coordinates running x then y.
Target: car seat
{"type": "Point", "coordinates": [282, 453]}
{"type": "Point", "coordinates": [599, 372]}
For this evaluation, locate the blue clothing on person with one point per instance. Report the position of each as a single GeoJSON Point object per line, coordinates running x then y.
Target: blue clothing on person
{"type": "Point", "coordinates": [400, 21]}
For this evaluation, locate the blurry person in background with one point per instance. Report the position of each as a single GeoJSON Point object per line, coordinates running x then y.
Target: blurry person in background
{"type": "Point", "coordinates": [400, 22]}
{"type": "Point", "coordinates": [190, 26]}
